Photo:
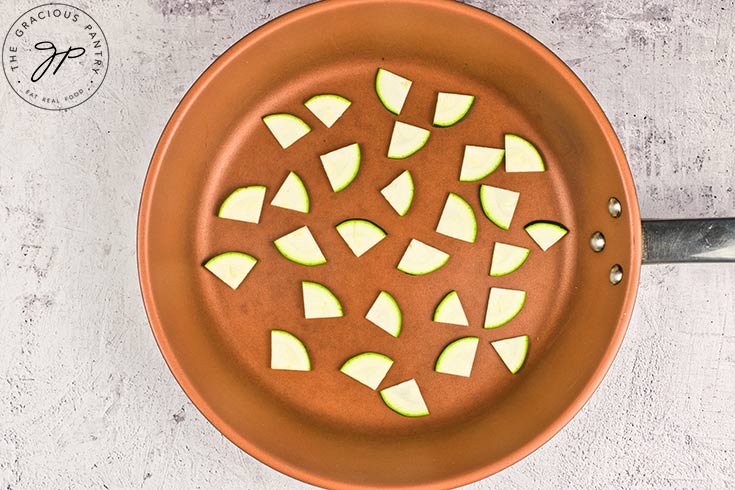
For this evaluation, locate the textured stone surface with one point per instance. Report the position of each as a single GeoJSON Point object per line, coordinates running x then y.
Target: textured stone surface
{"type": "Point", "coordinates": [86, 401]}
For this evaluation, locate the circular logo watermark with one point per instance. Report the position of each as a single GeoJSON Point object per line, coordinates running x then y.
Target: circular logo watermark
{"type": "Point", "coordinates": [55, 56]}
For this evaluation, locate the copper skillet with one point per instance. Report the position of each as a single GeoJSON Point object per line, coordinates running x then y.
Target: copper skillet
{"type": "Point", "coordinates": [321, 427]}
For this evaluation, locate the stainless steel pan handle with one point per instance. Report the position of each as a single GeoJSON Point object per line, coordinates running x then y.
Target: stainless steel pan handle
{"type": "Point", "coordinates": [689, 240]}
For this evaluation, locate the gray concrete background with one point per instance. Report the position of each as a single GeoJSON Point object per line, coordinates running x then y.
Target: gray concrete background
{"type": "Point", "coordinates": [86, 401]}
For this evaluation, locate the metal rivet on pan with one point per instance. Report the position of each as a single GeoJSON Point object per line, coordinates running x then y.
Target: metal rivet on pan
{"type": "Point", "coordinates": [597, 241]}
{"type": "Point", "coordinates": [614, 207]}
{"type": "Point", "coordinates": [616, 274]}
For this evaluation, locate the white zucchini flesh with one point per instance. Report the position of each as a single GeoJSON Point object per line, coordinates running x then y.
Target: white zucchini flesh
{"type": "Point", "coordinates": [360, 235]}
{"type": "Point", "coordinates": [319, 301]}
{"type": "Point", "coordinates": [545, 233]}
{"type": "Point", "coordinates": [406, 140]}
{"type": "Point", "coordinates": [368, 368]}
{"type": "Point", "coordinates": [231, 267]}
{"type": "Point", "coordinates": [512, 351]}
{"type": "Point", "coordinates": [243, 204]}
{"type": "Point", "coordinates": [521, 155]}
{"type": "Point", "coordinates": [299, 246]}
{"type": "Point", "coordinates": [328, 108]}
{"type": "Point", "coordinates": [386, 314]}
{"type": "Point", "coordinates": [406, 399]}
{"type": "Point", "coordinates": [478, 162]}
{"type": "Point", "coordinates": [458, 219]}
{"type": "Point", "coordinates": [392, 90]}
{"type": "Point", "coordinates": [342, 165]}
{"type": "Point", "coordinates": [507, 258]}
{"type": "Point", "coordinates": [502, 306]}
{"type": "Point", "coordinates": [451, 108]}
{"type": "Point", "coordinates": [288, 352]}
{"type": "Point", "coordinates": [286, 128]}
{"type": "Point", "coordinates": [420, 258]}
{"type": "Point", "coordinates": [449, 310]}
{"type": "Point", "coordinates": [499, 205]}
{"type": "Point", "coordinates": [399, 193]}
{"type": "Point", "coordinates": [458, 357]}
{"type": "Point", "coordinates": [292, 194]}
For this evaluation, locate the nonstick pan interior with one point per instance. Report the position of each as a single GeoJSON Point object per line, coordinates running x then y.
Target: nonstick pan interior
{"type": "Point", "coordinates": [321, 426]}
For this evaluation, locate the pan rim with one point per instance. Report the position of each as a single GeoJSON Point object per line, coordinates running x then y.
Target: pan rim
{"type": "Point", "coordinates": [159, 156]}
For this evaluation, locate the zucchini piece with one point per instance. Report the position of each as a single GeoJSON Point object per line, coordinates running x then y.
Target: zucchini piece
{"type": "Point", "coordinates": [286, 128]}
